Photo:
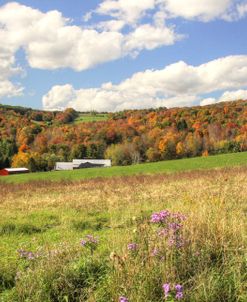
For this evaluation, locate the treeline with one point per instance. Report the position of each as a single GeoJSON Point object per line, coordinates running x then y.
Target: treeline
{"type": "Point", "coordinates": [37, 139]}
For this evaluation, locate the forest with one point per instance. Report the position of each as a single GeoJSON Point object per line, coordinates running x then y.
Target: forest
{"type": "Point", "coordinates": [37, 139]}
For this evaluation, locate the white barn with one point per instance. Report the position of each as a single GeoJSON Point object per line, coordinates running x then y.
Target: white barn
{"type": "Point", "coordinates": [94, 162]}
{"type": "Point", "coordinates": [82, 163]}
{"type": "Point", "coordinates": [62, 166]}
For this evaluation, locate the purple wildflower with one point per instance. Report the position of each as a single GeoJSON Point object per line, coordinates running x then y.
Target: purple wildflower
{"type": "Point", "coordinates": [90, 242]}
{"type": "Point", "coordinates": [179, 289]}
{"type": "Point", "coordinates": [166, 288]}
{"type": "Point", "coordinates": [174, 226]}
{"type": "Point", "coordinates": [92, 239]}
{"type": "Point", "coordinates": [163, 232]}
{"type": "Point", "coordinates": [160, 217]}
{"type": "Point", "coordinates": [132, 246]}
{"type": "Point", "coordinates": [26, 254]}
{"type": "Point", "coordinates": [83, 242]}
{"type": "Point", "coordinates": [179, 216]}
{"type": "Point", "coordinates": [179, 295]}
{"type": "Point", "coordinates": [30, 256]}
{"type": "Point", "coordinates": [123, 299]}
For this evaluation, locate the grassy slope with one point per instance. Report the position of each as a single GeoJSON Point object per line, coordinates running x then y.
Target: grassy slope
{"type": "Point", "coordinates": [52, 218]}
{"type": "Point", "coordinates": [225, 160]}
{"type": "Point", "coordinates": [85, 118]}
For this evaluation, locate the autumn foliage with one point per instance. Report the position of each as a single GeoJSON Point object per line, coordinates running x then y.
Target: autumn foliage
{"type": "Point", "coordinates": [38, 139]}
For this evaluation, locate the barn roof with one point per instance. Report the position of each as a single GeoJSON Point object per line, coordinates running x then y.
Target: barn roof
{"type": "Point", "coordinates": [16, 169]}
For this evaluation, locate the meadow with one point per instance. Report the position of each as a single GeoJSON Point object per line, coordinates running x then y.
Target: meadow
{"type": "Point", "coordinates": [88, 117]}
{"type": "Point", "coordinates": [171, 166]}
{"type": "Point", "coordinates": [142, 238]}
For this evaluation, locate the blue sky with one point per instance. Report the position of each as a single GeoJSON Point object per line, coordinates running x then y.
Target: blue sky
{"type": "Point", "coordinates": [194, 55]}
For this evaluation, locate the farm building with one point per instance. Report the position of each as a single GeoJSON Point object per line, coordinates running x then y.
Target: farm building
{"type": "Point", "coordinates": [12, 171]}
{"type": "Point", "coordinates": [82, 164]}
{"type": "Point", "coordinates": [62, 166]}
{"type": "Point", "coordinates": [92, 162]}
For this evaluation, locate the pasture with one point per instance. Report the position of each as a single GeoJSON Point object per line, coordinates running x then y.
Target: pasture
{"type": "Point", "coordinates": [87, 117]}
{"type": "Point", "coordinates": [171, 166]}
{"type": "Point", "coordinates": [155, 237]}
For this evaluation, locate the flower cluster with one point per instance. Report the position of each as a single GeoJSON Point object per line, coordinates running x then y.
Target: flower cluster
{"type": "Point", "coordinates": [90, 242]}
{"type": "Point", "coordinates": [160, 217]}
{"type": "Point", "coordinates": [170, 226]}
{"type": "Point", "coordinates": [27, 254]}
{"type": "Point", "coordinates": [132, 247]}
{"type": "Point", "coordinates": [170, 291]}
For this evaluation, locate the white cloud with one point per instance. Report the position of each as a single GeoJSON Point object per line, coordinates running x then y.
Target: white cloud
{"type": "Point", "coordinates": [227, 96]}
{"type": "Point", "coordinates": [208, 101]}
{"type": "Point", "coordinates": [59, 97]}
{"type": "Point", "coordinates": [8, 69]}
{"type": "Point", "coordinates": [150, 37]}
{"type": "Point", "coordinates": [233, 95]}
{"type": "Point", "coordinates": [204, 10]}
{"type": "Point", "coordinates": [242, 10]}
{"type": "Point", "coordinates": [51, 42]}
{"type": "Point", "coordinates": [128, 10]}
{"type": "Point", "coordinates": [175, 85]}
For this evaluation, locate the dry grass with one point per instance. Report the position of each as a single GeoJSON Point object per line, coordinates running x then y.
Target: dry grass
{"type": "Point", "coordinates": [55, 216]}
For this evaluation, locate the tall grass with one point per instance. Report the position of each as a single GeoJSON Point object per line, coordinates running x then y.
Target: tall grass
{"type": "Point", "coordinates": [47, 256]}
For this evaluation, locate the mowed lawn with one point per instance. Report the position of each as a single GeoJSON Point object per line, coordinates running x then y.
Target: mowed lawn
{"type": "Point", "coordinates": [217, 161]}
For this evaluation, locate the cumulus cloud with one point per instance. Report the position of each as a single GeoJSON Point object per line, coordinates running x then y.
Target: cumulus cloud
{"type": "Point", "coordinates": [175, 85]}
{"type": "Point", "coordinates": [51, 41]}
{"type": "Point", "coordinates": [8, 69]}
{"type": "Point", "coordinates": [150, 37]}
{"type": "Point", "coordinates": [227, 96]}
{"type": "Point", "coordinates": [208, 101]}
{"type": "Point", "coordinates": [202, 10]}
{"type": "Point", "coordinates": [128, 10]}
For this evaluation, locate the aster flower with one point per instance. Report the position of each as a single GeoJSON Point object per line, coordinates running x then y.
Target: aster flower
{"type": "Point", "coordinates": [123, 299]}
{"type": "Point", "coordinates": [179, 295]}
{"type": "Point", "coordinates": [90, 242]}
{"type": "Point", "coordinates": [179, 289]}
{"type": "Point", "coordinates": [132, 246]}
{"type": "Point", "coordinates": [166, 288]}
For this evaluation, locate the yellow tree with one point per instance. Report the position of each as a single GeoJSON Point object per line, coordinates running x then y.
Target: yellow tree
{"type": "Point", "coordinates": [21, 159]}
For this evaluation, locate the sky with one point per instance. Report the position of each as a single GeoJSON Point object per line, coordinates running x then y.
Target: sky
{"type": "Point", "coordinates": [112, 55]}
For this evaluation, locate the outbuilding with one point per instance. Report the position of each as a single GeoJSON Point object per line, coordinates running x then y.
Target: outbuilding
{"type": "Point", "coordinates": [12, 171]}
{"type": "Point", "coordinates": [82, 164]}
{"type": "Point", "coordinates": [90, 163]}
{"type": "Point", "coordinates": [64, 166]}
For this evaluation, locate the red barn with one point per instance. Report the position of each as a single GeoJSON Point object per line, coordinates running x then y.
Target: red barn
{"type": "Point", "coordinates": [11, 171]}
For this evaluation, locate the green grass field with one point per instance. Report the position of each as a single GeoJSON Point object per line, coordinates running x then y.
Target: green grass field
{"type": "Point", "coordinates": [218, 161]}
{"type": "Point", "coordinates": [85, 118]}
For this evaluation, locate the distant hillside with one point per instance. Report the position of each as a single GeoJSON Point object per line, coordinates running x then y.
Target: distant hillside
{"type": "Point", "coordinates": [37, 139]}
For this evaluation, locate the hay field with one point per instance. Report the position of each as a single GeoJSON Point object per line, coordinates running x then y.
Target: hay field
{"type": "Point", "coordinates": [156, 238]}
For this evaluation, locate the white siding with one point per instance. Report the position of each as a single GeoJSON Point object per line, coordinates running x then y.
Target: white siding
{"type": "Point", "coordinates": [64, 166]}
